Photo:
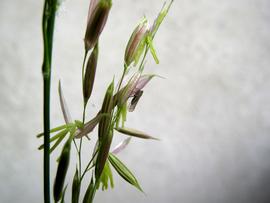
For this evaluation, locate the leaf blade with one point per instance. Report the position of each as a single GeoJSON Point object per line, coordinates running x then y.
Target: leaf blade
{"type": "Point", "coordinates": [76, 187]}
{"type": "Point", "coordinates": [53, 130]}
{"type": "Point", "coordinates": [58, 135]}
{"type": "Point", "coordinates": [123, 171]}
{"type": "Point", "coordinates": [58, 141]}
{"type": "Point", "coordinates": [62, 170]}
{"type": "Point", "coordinates": [135, 133]}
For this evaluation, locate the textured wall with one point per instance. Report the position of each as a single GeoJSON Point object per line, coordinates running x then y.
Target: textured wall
{"type": "Point", "coordinates": [212, 112]}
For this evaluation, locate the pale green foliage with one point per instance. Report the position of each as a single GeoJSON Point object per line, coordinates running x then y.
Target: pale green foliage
{"type": "Point", "coordinates": [123, 171]}
{"type": "Point", "coordinates": [162, 14]}
{"type": "Point", "coordinates": [152, 49]}
{"type": "Point", "coordinates": [106, 177]}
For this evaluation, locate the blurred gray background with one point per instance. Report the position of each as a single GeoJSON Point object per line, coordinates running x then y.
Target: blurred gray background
{"type": "Point", "coordinates": [212, 113]}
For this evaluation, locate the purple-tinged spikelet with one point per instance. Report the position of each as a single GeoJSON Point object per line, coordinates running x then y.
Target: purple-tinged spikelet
{"type": "Point", "coordinates": [97, 18]}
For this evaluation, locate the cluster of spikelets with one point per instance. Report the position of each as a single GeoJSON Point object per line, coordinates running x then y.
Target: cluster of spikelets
{"type": "Point", "coordinates": [118, 101]}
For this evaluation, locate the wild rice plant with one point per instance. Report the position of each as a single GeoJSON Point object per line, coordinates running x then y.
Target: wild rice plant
{"type": "Point", "coordinates": [118, 101]}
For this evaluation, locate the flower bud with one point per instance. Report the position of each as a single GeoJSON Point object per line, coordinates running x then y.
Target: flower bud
{"type": "Point", "coordinates": [107, 108]}
{"type": "Point", "coordinates": [90, 73]}
{"type": "Point", "coordinates": [62, 171]}
{"type": "Point", "coordinates": [105, 132]}
{"type": "Point", "coordinates": [136, 43]}
{"type": "Point", "coordinates": [76, 187]}
{"type": "Point", "coordinates": [97, 18]}
{"type": "Point", "coordinates": [92, 6]}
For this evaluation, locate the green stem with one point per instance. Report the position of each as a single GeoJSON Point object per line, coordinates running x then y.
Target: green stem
{"type": "Point", "coordinates": [122, 78]}
{"type": "Point", "coordinates": [47, 30]}
{"type": "Point", "coordinates": [84, 59]}
{"type": "Point", "coordinates": [80, 146]}
{"type": "Point", "coordinates": [76, 146]}
{"type": "Point", "coordinates": [143, 59]}
{"type": "Point", "coordinates": [84, 108]}
{"type": "Point", "coordinates": [80, 158]}
{"type": "Point", "coordinates": [46, 117]}
{"type": "Point", "coordinates": [86, 169]}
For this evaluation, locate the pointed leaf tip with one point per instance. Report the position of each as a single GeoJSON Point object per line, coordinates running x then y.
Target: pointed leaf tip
{"type": "Point", "coordinates": [135, 133]}
{"type": "Point", "coordinates": [123, 171]}
{"type": "Point", "coordinates": [63, 104]}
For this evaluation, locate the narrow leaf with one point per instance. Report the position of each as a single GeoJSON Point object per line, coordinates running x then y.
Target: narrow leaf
{"type": "Point", "coordinates": [62, 170]}
{"type": "Point", "coordinates": [162, 14]}
{"type": "Point", "coordinates": [63, 194]}
{"type": "Point", "coordinates": [90, 192]}
{"type": "Point", "coordinates": [152, 49]}
{"type": "Point", "coordinates": [124, 114]}
{"type": "Point", "coordinates": [135, 133]}
{"type": "Point", "coordinates": [59, 140]}
{"type": "Point", "coordinates": [53, 130]}
{"type": "Point", "coordinates": [95, 151]}
{"type": "Point", "coordinates": [110, 175]}
{"type": "Point", "coordinates": [76, 187]}
{"type": "Point", "coordinates": [64, 106]}
{"type": "Point", "coordinates": [58, 135]}
{"type": "Point", "coordinates": [123, 171]}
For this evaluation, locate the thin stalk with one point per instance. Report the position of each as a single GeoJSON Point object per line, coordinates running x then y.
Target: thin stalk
{"type": "Point", "coordinates": [84, 59]}
{"type": "Point", "coordinates": [80, 158]}
{"type": "Point", "coordinates": [84, 108]}
{"type": "Point", "coordinates": [86, 169]}
{"type": "Point", "coordinates": [47, 31]}
{"type": "Point", "coordinates": [122, 78]}
{"type": "Point", "coordinates": [143, 59]}
{"type": "Point", "coordinates": [75, 145]}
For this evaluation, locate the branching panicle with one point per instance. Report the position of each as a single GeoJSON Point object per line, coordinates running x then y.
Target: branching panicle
{"type": "Point", "coordinates": [110, 119]}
